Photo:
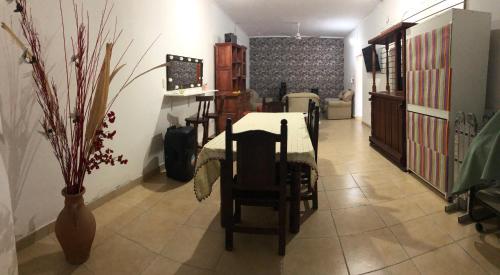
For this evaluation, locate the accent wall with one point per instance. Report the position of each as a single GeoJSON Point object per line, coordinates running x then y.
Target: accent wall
{"type": "Point", "coordinates": [302, 64]}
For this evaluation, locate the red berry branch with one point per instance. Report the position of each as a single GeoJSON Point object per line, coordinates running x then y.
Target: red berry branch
{"type": "Point", "coordinates": [103, 155]}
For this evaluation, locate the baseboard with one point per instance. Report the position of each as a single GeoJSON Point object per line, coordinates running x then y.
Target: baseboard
{"type": "Point", "coordinates": [48, 229]}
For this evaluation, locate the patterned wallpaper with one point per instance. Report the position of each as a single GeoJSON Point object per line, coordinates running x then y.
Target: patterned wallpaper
{"type": "Point", "coordinates": [302, 64]}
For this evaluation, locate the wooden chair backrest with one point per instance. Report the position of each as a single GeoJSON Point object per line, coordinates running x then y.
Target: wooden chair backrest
{"type": "Point", "coordinates": [203, 106]}
{"type": "Point", "coordinates": [314, 132]}
{"type": "Point", "coordinates": [256, 167]}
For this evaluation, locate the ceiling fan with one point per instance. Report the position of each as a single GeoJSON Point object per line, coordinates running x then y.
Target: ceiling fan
{"type": "Point", "coordinates": [298, 35]}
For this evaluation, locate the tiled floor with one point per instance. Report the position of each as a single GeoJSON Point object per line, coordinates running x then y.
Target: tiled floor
{"type": "Point", "coordinates": [373, 219]}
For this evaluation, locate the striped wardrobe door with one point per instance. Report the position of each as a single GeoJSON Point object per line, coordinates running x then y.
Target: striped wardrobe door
{"type": "Point", "coordinates": [429, 165]}
{"type": "Point", "coordinates": [428, 148]}
{"type": "Point", "coordinates": [428, 79]}
{"type": "Point", "coordinates": [430, 50]}
{"type": "Point", "coordinates": [429, 88]}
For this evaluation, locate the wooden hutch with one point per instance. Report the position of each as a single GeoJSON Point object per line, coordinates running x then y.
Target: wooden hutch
{"type": "Point", "coordinates": [388, 108]}
{"type": "Point", "coordinates": [230, 80]}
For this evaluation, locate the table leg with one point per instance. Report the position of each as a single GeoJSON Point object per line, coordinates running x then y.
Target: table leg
{"type": "Point", "coordinates": [295, 200]}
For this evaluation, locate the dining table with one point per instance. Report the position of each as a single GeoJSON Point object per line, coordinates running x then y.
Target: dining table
{"type": "Point", "coordinates": [300, 154]}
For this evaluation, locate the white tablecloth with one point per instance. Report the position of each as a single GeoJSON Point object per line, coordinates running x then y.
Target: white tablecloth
{"type": "Point", "coordinates": [299, 147]}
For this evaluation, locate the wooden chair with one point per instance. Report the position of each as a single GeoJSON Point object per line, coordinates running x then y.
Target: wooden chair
{"type": "Point", "coordinates": [258, 181]}
{"type": "Point", "coordinates": [312, 187]}
{"type": "Point", "coordinates": [219, 106]}
{"type": "Point", "coordinates": [310, 110]}
{"type": "Point", "coordinates": [201, 117]}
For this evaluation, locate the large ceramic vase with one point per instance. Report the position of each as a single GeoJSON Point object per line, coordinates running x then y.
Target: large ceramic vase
{"type": "Point", "coordinates": [75, 228]}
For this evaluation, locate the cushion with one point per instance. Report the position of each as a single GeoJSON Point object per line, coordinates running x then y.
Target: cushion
{"type": "Point", "coordinates": [348, 95]}
{"type": "Point", "coordinates": [334, 102]}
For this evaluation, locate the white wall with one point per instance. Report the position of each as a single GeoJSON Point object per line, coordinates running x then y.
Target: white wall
{"type": "Point", "coordinates": [8, 257]}
{"type": "Point", "coordinates": [390, 12]}
{"type": "Point", "coordinates": [187, 27]}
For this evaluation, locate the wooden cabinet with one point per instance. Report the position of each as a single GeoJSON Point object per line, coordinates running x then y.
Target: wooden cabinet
{"type": "Point", "coordinates": [388, 114]}
{"type": "Point", "coordinates": [230, 81]}
{"type": "Point", "coordinates": [388, 126]}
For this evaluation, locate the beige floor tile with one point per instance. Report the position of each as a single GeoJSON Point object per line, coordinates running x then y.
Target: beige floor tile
{"type": "Point", "coordinates": [336, 169]}
{"type": "Point", "coordinates": [449, 224]}
{"type": "Point", "coordinates": [485, 249]}
{"type": "Point", "coordinates": [184, 191]}
{"type": "Point", "coordinates": [195, 247]}
{"type": "Point", "coordinates": [124, 219]}
{"type": "Point", "coordinates": [372, 250]}
{"type": "Point", "coordinates": [383, 192]}
{"type": "Point", "coordinates": [404, 268]}
{"type": "Point", "coordinates": [102, 234]}
{"type": "Point", "coordinates": [150, 231]}
{"type": "Point", "coordinates": [318, 224]}
{"type": "Point", "coordinates": [314, 256]}
{"type": "Point", "coordinates": [331, 183]}
{"type": "Point", "coordinates": [451, 259]}
{"type": "Point", "coordinates": [398, 211]}
{"type": "Point", "coordinates": [140, 196]}
{"type": "Point", "coordinates": [345, 198]}
{"type": "Point", "coordinates": [206, 216]}
{"type": "Point", "coordinates": [410, 186]}
{"type": "Point", "coordinates": [252, 254]}
{"type": "Point", "coordinates": [420, 236]}
{"type": "Point", "coordinates": [110, 212]}
{"type": "Point", "coordinates": [372, 178]}
{"type": "Point", "coordinates": [175, 210]}
{"type": "Point", "coordinates": [119, 256]}
{"type": "Point", "coordinates": [367, 166]}
{"type": "Point", "coordinates": [429, 202]}
{"type": "Point", "coordinates": [322, 201]}
{"type": "Point", "coordinates": [350, 221]}
{"type": "Point", "coordinates": [164, 266]}
{"type": "Point", "coordinates": [45, 257]}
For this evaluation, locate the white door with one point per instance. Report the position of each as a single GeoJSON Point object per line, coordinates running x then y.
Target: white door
{"type": "Point", "coordinates": [358, 87]}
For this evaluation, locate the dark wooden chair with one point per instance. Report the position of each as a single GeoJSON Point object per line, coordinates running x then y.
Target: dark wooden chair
{"type": "Point", "coordinates": [258, 180]}
{"type": "Point", "coordinates": [271, 106]}
{"type": "Point", "coordinates": [310, 110]}
{"type": "Point", "coordinates": [219, 106]}
{"type": "Point", "coordinates": [312, 187]}
{"type": "Point", "coordinates": [201, 117]}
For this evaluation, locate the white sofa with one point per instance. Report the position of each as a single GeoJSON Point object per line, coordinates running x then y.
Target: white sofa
{"type": "Point", "coordinates": [341, 107]}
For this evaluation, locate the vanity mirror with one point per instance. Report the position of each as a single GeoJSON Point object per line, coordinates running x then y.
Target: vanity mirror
{"type": "Point", "coordinates": [184, 72]}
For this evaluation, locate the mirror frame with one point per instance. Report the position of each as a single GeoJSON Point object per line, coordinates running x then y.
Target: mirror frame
{"type": "Point", "coordinates": [170, 83]}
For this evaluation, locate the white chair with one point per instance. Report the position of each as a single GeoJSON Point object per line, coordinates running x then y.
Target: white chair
{"type": "Point", "coordinates": [299, 102]}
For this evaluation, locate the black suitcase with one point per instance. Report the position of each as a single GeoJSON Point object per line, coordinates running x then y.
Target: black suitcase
{"type": "Point", "coordinates": [180, 153]}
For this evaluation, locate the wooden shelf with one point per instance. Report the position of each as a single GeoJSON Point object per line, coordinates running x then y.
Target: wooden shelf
{"type": "Point", "coordinates": [187, 93]}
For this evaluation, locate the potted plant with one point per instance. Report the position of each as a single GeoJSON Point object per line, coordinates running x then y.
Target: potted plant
{"type": "Point", "coordinates": [78, 129]}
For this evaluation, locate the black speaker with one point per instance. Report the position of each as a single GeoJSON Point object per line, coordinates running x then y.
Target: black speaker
{"type": "Point", "coordinates": [230, 38]}
{"type": "Point", "coordinates": [180, 153]}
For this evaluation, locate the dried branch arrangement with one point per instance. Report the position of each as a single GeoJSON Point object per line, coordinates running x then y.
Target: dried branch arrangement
{"type": "Point", "coordinates": [78, 128]}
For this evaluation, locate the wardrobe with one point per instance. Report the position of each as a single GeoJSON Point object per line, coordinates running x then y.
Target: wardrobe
{"type": "Point", "coordinates": [447, 63]}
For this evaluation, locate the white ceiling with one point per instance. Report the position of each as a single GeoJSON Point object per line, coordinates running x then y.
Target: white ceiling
{"type": "Point", "coordinates": [334, 18]}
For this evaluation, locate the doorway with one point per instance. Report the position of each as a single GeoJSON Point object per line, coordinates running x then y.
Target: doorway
{"type": "Point", "coordinates": [358, 87]}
